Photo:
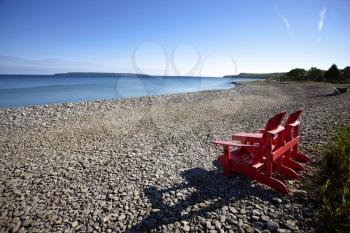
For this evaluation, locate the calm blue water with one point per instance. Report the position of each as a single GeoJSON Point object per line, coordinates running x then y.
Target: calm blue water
{"type": "Point", "coordinates": [29, 90]}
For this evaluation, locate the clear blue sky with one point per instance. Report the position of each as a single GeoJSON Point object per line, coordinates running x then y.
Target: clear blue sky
{"type": "Point", "coordinates": [196, 37]}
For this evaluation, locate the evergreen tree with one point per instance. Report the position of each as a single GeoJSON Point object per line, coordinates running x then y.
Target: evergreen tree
{"type": "Point", "coordinates": [333, 74]}
{"type": "Point", "coordinates": [346, 72]}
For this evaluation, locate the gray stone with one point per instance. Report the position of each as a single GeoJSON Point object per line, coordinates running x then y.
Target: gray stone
{"type": "Point", "coordinates": [301, 192]}
{"type": "Point", "coordinates": [186, 228]}
{"type": "Point", "coordinates": [259, 225]}
{"type": "Point", "coordinates": [277, 200]}
{"type": "Point", "coordinates": [222, 218]}
{"type": "Point", "coordinates": [106, 218]}
{"type": "Point", "coordinates": [96, 212]}
{"type": "Point", "coordinates": [16, 226]}
{"type": "Point", "coordinates": [112, 225]}
{"type": "Point", "coordinates": [217, 225]}
{"type": "Point", "coordinates": [121, 217]}
{"type": "Point", "coordinates": [291, 225]}
{"type": "Point", "coordinates": [75, 224]}
{"type": "Point", "coordinates": [233, 210]}
{"type": "Point", "coordinates": [232, 221]}
{"type": "Point", "coordinates": [281, 230]}
{"type": "Point", "coordinates": [208, 225]}
{"type": "Point", "coordinates": [271, 225]}
{"type": "Point", "coordinates": [28, 221]}
{"type": "Point", "coordinates": [256, 212]}
{"type": "Point", "coordinates": [264, 218]}
{"type": "Point", "coordinates": [240, 229]}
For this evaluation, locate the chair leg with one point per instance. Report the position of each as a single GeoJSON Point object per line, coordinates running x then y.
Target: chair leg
{"type": "Point", "coordinates": [302, 158]}
{"type": "Point", "coordinates": [277, 185]}
{"type": "Point", "coordinates": [287, 171]}
{"type": "Point", "coordinates": [254, 174]}
{"type": "Point", "coordinates": [293, 164]}
{"type": "Point", "coordinates": [221, 160]}
{"type": "Point", "coordinates": [226, 161]}
{"type": "Point", "coordinates": [271, 182]}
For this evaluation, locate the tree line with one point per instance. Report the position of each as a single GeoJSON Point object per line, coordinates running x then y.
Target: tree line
{"type": "Point", "coordinates": [333, 74]}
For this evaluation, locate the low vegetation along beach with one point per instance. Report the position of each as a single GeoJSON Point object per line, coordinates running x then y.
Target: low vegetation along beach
{"type": "Point", "coordinates": [148, 164]}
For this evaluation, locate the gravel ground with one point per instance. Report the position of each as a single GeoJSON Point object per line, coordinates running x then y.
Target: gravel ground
{"type": "Point", "coordinates": [148, 164]}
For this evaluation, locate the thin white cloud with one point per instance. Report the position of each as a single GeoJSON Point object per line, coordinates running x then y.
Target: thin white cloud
{"type": "Point", "coordinates": [285, 20]}
{"type": "Point", "coordinates": [322, 18]}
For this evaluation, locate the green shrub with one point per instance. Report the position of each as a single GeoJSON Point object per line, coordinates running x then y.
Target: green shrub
{"type": "Point", "coordinates": [315, 74]}
{"type": "Point", "coordinates": [335, 182]}
{"type": "Point", "coordinates": [297, 74]}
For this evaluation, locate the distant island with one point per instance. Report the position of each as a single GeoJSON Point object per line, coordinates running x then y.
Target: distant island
{"type": "Point", "coordinates": [253, 75]}
{"type": "Point", "coordinates": [103, 74]}
{"type": "Point", "coordinates": [98, 74]}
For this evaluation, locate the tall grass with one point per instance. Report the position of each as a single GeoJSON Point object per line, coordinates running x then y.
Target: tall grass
{"type": "Point", "coordinates": [335, 182]}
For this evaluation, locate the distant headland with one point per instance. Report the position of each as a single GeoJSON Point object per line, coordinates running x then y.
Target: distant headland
{"type": "Point", "coordinates": [253, 75]}
{"type": "Point", "coordinates": [98, 74]}
{"type": "Point", "coordinates": [103, 74]}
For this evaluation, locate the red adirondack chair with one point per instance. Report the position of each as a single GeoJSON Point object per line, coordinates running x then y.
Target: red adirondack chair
{"type": "Point", "coordinates": [261, 156]}
{"type": "Point", "coordinates": [291, 131]}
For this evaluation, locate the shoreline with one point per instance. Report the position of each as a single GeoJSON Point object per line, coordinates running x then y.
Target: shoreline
{"type": "Point", "coordinates": [24, 97]}
{"type": "Point", "coordinates": [89, 102]}
{"type": "Point", "coordinates": [109, 101]}
{"type": "Point", "coordinates": [148, 164]}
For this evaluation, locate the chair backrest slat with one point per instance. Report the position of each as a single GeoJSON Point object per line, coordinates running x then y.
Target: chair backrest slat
{"type": "Point", "coordinates": [293, 117]}
{"type": "Point", "coordinates": [272, 124]}
{"type": "Point", "coordinates": [275, 121]}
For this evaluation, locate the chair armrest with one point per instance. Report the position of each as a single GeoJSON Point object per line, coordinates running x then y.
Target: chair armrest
{"type": "Point", "coordinates": [279, 129]}
{"type": "Point", "coordinates": [261, 130]}
{"type": "Point", "coordinates": [294, 124]}
{"type": "Point", "coordinates": [230, 143]}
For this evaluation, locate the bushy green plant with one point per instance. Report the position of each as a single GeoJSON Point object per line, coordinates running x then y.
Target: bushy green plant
{"type": "Point", "coordinates": [297, 74]}
{"type": "Point", "coordinates": [335, 182]}
{"type": "Point", "coordinates": [315, 74]}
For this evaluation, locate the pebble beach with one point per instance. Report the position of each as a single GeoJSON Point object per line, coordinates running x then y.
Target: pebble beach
{"type": "Point", "coordinates": [148, 164]}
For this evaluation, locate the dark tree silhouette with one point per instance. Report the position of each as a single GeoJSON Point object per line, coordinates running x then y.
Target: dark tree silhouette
{"type": "Point", "coordinates": [315, 74]}
{"type": "Point", "coordinates": [297, 74]}
{"type": "Point", "coordinates": [346, 72]}
{"type": "Point", "coordinates": [333, 74]}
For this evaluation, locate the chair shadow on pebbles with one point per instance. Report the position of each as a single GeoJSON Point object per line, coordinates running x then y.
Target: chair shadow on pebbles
{"type": "Point", "coordinates": [202, 192]}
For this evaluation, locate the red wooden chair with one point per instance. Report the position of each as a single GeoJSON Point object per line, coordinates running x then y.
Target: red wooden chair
{"type": "Point", "coordinates": [261, 156]}
{"type": "Point", "coordinates": [291, 131]}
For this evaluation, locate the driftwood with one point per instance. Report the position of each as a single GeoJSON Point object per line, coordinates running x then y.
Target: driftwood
{"type": "Point", "coordinates": [340, 90]}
